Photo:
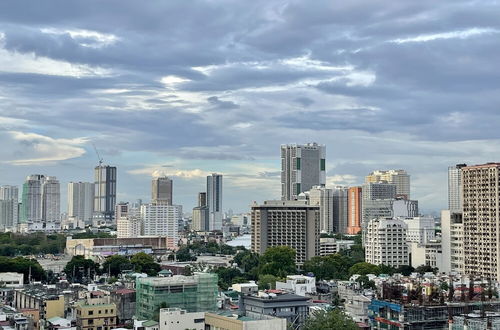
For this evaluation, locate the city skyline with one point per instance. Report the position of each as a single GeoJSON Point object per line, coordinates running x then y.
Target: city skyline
{"type": "Point", "coordinates": [137, 82]}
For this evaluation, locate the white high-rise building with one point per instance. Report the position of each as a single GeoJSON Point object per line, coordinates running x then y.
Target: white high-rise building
{"type": "Point", "coordinates": [452, 240]}
{"type": "Point", "coordinates": [81, 201]}
{"type": "Point", "coordinates": [398, 177]}
{"type": "Point", "coordinates": [51, 203]}
{"type": "Point", "coordinates": [302, 167]}
{"type": "Point", "coordinates": [323, 197]}
{"type": "Point", "coordinates": [420, 230]}
{"type": "Point", "coordinates": [128, 221]}
{"type": "Point", "coordinates": [9, 204]}
{"type": "Point", "coordinates": [162, 190]}
{"type": "Point", "coordinates": [40, 209]}
{"type": "Point", "coordinates": [386, 242]}
{"type": "Point", "coordinates": [214, 201]}
{"type": "Point", "coordinates": [162, 220]}
{"type": "Point", "coordinates": [455, 188]}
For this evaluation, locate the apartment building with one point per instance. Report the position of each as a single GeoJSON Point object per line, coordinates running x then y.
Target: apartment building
{"type": "Point", "coordinates": [385, 242]}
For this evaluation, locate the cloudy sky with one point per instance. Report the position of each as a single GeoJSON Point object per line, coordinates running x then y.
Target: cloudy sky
{"type": "Point", "coordinates": [186, 88]}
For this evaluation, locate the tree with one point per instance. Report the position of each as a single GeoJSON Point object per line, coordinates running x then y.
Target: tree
{"type": "Point", "coordinates": [334, 319]}
{"type": "Point", "coordinates": [226, 276]}
{"type": "Point", "coordinates": [183, 254]}
{"type": "Point", "coordinates": [267, 282]}
{"type": "Point", "coordinates": [248, 261]}
{"type": "Point", "coordinates": [405, 270]}
{"type": "Point", "coordinates": [23, 265]}
{"type": "Point", "coordinates": [384, 269]}
{"type": "Point", "coordinates": [365, 282]}
{"type": "Point", "coordinates": [278, 261]}
{"type": "Point", "coordinates": [422, 269]}
{"type": "Point", "coordinates": [144, 263]}
{"type": "Point", "coordinates": [78, 269]}
{"type": "Point", "coordinates": [364, 268]}
{"type": "Point", "coordinates": [116, 264]}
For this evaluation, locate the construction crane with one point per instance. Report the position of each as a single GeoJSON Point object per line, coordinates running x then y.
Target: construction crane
{"type": "Point", "coordinates": [97, 153]}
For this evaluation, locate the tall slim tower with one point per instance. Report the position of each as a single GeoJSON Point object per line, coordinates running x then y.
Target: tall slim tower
{"type": "Point", "coordinates": [323, 197]}
{"type": "Point", "coordinates": [214, 201]}
{"type": "Point", "coordinates": [9, 200]}
{"type": "Point", "coordinates": [105, 195]}
{"type": "Point", "coordinates": [302, 167]}
{"type": "Point", "coordinates": [455, 188]}
{"type": "Point", "coordinates": [340, 209]}
{"type": "Point", "coordinates": [51, 203]}
{"type": "Point", "coordinates": [354, 211]}
{"type": "Point", "coordinates": [161, 190]}
{"type": "Point", "coordinates": [81, 201]}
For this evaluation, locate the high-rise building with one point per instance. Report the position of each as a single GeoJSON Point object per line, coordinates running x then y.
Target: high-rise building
{"type": "Point", "coordinates": [214, 201]}
{"type": "Point", "coordinates": [162, 220]}
{"type": "Point", "coordinates": [452, 240]}
{"type": "Point", "coordinates": [302, 167]}
{"type": "Point", "coordinates": [421, 230]}
{"type": "Point", "coordinates": [354, 210]}
{"type": "Point", "coordinates": [128, 221]}
{"type": "Point", "coordinates": [481, 220]}
{"type": "Point", "coordinates": [162, 190]}
{"type": "Point", "coordinates": [290, 223]}
{"type": "Point", "coordinates": [455, 188]}
{"type": "Point", "coordinates": [386, 242]}
{"type": "Point", "coordinates": [40, 208]}
{"type": "Point", "coordinates": [9, 204]}
{"type": "Point", "coordinates": [323, 197]}
{"type": "Point", "coordinates": [81, 201]}
{"type": "Point", "coordinates": [340, 209]}
{"type": "Point", "coordinates": [372, 191]}
{"type": "Point", "coordinates": [398, 177]}
{"type": "Point", "coordinates": [200, 219]}
{"type": "Point", "coordinates": [105, 195]}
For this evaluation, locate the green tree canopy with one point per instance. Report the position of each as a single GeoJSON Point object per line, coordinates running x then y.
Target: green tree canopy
{"type": "Point", "coordinates": [334, 266]}
{"type": "Point", "coordinates": [145, 263]}
{"type": "Point", "coordinates": [116, 264]}
{"type": "Point", "coordinates": [334, 319]}
{"type": "Point", "coordinates": [364, 268]}
{"type": "Point", "coordinates": [267, 282]}
{"type": "Point", "coordinates": [78, 268]}
{"type": "Point", "coordinates": [23, 265]}
{"type": "Point", "coordinates": [278, 261]}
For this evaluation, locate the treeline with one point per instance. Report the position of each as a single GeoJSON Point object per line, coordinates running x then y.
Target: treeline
{"type": "Point", "coordinates": [189, 252]}
{"type": "Point", "coordinates": [12, 244]}
{"type": "Point", "coordinates": [25, 266]}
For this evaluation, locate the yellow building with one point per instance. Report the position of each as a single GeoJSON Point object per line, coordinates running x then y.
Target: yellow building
{"type": "Point", "coordinates": [96, 317]}
{"type": "Point", "coordinates": [48, 305]}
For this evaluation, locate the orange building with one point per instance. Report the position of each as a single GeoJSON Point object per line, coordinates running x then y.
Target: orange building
{"type": "Point", "coordinates": [354, 200]}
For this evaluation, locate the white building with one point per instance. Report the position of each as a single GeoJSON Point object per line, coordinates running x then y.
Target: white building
{"type": "Point", "coordinates": [214, 201]}
{"type": "Point", "coordinates": [40, 209]}
{"type": "Point", "coordinates": [420, 229]}
{"type": "Point", "coordinates": [452, 239]}
{"type": "Point", "coordinates": [176, 318]}
{"type": "Point", "coordinates": [162, 220]}
{"type": "Point", "coordinates": [385, 242]}
{"type": "Point", "coordinates": [302, 167]}
{"type": "Point", "coordinates": [128, 221]}
{"type": "Point", "coordinates": [428, 254]}
{"type": "Point", "coordinates": [324, 198]}
{"type": "Point", "coordinates": [245, 288]}
{"type": "Point", "coordinates": [298, 284]}
{"type": "Point", "coordinates": [330, 245]}
{"type": "Point", "coordinates": [51, 203]}
{"type": "Point", "coordinates": [12, 280]}
{"type": "Point", "coordinates": [81, 201]}
{"type": "Point", "coordinates": [455, 188]}
{"type": "Point", "coordinates": [9, 205]}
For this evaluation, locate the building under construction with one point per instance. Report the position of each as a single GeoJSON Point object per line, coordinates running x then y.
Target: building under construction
{"type": "Point", "coordinates": [197, 293]}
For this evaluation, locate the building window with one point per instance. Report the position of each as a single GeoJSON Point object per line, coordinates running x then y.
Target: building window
{"type": "Point", "coordinates": [91, 312]}
{"type": "Point", "coordinates": [298, 163]}
{"type": "Point", "coordinates": [323, 165]}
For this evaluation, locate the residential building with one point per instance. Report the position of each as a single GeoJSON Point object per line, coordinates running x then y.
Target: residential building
{"type": "Point", "coordinates": [340, 209]}
{"type": "Point", "coordinates": [302, 167]}
{"type": "Point", "coordinates": [227, 320]}
{"type": "Point", "coordinates": [354, 210]}
{"type": "Point", "coordinates": [197, 293]}
{"type": "Point", "coordinates": [162, 220]}
{"type": "Point", "coordinates": [128, 221]}
{"type": "Point", "coordinates": [214, 201]}
{"type": "Point", "coordinates": [177, 318]}
{"type": "Point", "coordinates": [378, 190]}
{"type": "Point", "coordinates": [40, 208]}
{"type": "Point", "coordinates": [201, 216]}
{"type": "Point", "coordinates": [397, 177]}
{"type": "Point", "coordinates": [81, 201]}
{"type": "Point", "coordinates": [452, 240]}
{"type": "Point", "coordinates": [51, 203]}
{"type": "Point", "coordinates": [105, 195]}
{"type": "Point", "coordinates": [96, 317]}
{"type": "Point", "coordinates": [162, 190]}
{"type": "Point", "coordinates": [47, 303]}
{"type": "Point", "coordinates": [420, 230]}
{"type": "Point", "coordinates": [298, 284]}
{"type": "Point", "coordinates": [125, 301]}
{"type": "Point", "coordinates": [245, 288]}
{"type": "Point", "coordinates": [429, 253]}
{"type": "Point", "coordinates": [481, 220]}
{"type": "Point", "coordinates": [330, 245]}
{"type": "Point", "coordinates": [405, 208]}
{"type": "Point", "coordinates": [11, 280]}
{"type": "Point", "coordinates": [323, 197]}
{"type": "Point", "coordinates": [9, 207]}
{"type": "Point", "coordinates": [9, 193]}
{"type": "Point", "coordinates": [290, 223]}
{"type": "Point", "coordinates": [385, 242]}
{"type": "Point", "coordinates": [292, 307]}
{"type": "Point", "coordinates": [455, 188]}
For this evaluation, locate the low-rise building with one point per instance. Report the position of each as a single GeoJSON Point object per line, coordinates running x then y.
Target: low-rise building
{"type": "Point", "coordinates": [330, 245]}
{"type": "Point", "coordinates": [12, 280]}
{"type": "Point", "coordinates": [177, 318]}
{"type": "Point", "coordinates": [125, 301]}
{"type": "Point", "coordinates": [48, 304]}
{"type": "Point", "coordinates": [246, 288]}
{"type": "Point", "coordinates": [95, 317]}
{"type": "Point", "coordinates": [298, 284]}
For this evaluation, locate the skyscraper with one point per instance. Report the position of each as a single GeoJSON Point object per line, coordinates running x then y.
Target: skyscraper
{"type": "Point", "coordinates": [9, 201]}
{"type": "Point", "coordinates": [200, 220]}
{"type": "Point", "coordinates": [379, 190]}
{"type": "Point", "coordinates": [481, 220]}
{"type": "Point", "coordinates": [162, 220]}
{"type": "Point", "coordinates": [51, 203]}
{"type": "Point", "coordinates": [40, 209]}
{"type": "Point", "coordinates": [214, 201]}
{"type": "Point", "coordinates": [323, 197]}
{"type": "Point", "coordinates": [9, 193]}
{"type": "Point", "coordinates": [340, 209]}
{"type": "Point", "coordinates": [354, 211]}
{"type": "Point", "coordinates": [161, 190]}
{"type": "Point", "coordinates": [81, 201]}
{"type": "Point", "coordinates": [302, 167]}
{"type": "Point", "coordinates": [290, 223]}
{"type": "Point", "coordinates": [105, 195]}
{"type": "Point", "coordinates": [455, 188]}
{"type": "Point", "coordinates": [398, 177]}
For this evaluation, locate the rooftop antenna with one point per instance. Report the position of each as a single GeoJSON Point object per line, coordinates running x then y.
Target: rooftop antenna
{"type": "Point", "coordinates": [97, 153]}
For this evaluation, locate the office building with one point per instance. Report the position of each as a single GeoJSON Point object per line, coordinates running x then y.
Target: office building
{"type": "Point", "coordinates": [481, 220]}
{"type": "Point", "coordinates": [81, 201]}
{"type": "Point", "coordinates": [162, 190]}
{"type": "Point", "coordinates": [330, 245]}
{"type": "Point", "coordinates": [291, 223]}
{"type": "Point", "coordinates": [421, 230]}
{"type": "Point", "coordinates": [385, 242]}
{"type": "Point", "coordinates": [197, 293]}
{"type": "Point", "coordinates": [128, 221]}
{"type": "Point", "coordinates": [105, 195]}
{"type": "Point", "coordinates": [455, 188]}
{"type": "Point", "coordinates": [162, 220]}
{"type": "Point", "coordinates": [354, 210]}
{"type": "Point", "coordinates": [405, 208]}
{"type": "Point", "coordinates": [302, 167]}
{"type": "Point", "coordinates": [340, 209]}
{"type": "Point", "coordinates": [9, 207]}
{"type": "Point", "coordinates": [398, 177]}
{"type": "Point", "coordinates": [9, 193]}
{"type": "Point", "coordinates": [214, 201]}
{"type": "Point", "coordinates": [40, 209]}
{"type": "Point", "coordinates": [323, 197]}
{"type": "Point", "coordinates": [373, 191]}
{"type": "Point", "coordinates": [200, 218]}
